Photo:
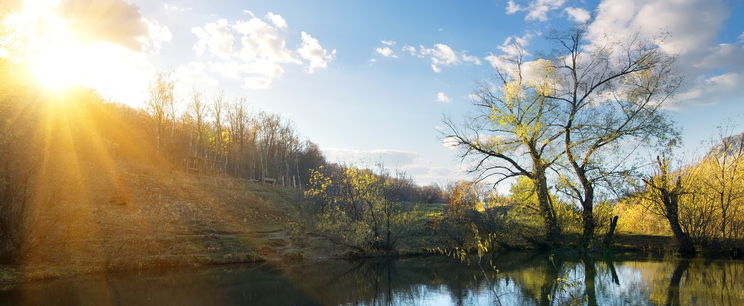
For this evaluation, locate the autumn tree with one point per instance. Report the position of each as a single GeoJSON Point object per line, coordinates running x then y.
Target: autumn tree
{"type": "Point", "coordinates": [514, 131]}
{"type": "Point", "coordinates": [355, 208]}
{"type": "Point", "coordinates": [664, 191]}
{"type": "Point", "coordinates": [610, 95]}
{"type": "Point", "coordinates": [723, 177]}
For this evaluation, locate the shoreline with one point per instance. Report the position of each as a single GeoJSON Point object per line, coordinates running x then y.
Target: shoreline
{"type": "Point", "coordinates": [17, 274]}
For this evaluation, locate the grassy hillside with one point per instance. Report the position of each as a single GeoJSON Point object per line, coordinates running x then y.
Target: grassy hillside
{"type": "Point", "coordinates": [100, 196]}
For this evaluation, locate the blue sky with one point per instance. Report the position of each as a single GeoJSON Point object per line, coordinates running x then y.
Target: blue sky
{"type": "Point", "coordinates": [370, 81]}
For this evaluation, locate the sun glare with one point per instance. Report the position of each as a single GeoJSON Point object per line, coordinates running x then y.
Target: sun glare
{"type": "Point", "coordinates": [58, 61]}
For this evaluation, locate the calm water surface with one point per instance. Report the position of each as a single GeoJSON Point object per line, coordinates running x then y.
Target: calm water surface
{"type": "Point", "coordinates": [521, 279]}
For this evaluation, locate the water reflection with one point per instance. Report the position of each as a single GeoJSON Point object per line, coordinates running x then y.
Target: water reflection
{"type": "Point", "coordinates": [522, 279]}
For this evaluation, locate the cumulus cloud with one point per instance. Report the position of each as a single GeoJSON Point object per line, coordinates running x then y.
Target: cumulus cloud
{"type": "Point", "coordinates": [577, 14]}
{"type": "Point", "coordinates": [277, 20]}
{"type": "Point", "coordinates": [216, 37]}
{"type": "Point", "coordinates": [111, 20]}
{"type": "Point", "coordinates": [157, 34]}
{"type": "Point", "coordinates": [312, 51]}
{"type": "Point", "coordinates": [255, 50]}
{"type": "Point", "coordinates": [623, 18]}
{"type": "Point", "coordinates": [410, 50]}
{"type": "Point", "coordinates": [512, 48]}
{"type": "Point", "coordinates": [386, 52]}
{"type": "Point", "coordinates": [705, 63]}
{"type": "Point", "coordinates": [710, 90]}
{"type": "Point", "coordinates": [536, 9]}
{"type": "Point", "coordinates": [442, 97]}
{"type": "Point", "coordinates": [512, 7]}
{"type": "Point", "coordinates": [441, 55]}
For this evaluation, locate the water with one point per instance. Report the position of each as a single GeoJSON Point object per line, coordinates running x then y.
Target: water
{"type": "Point", "coordinates": [521, 279]}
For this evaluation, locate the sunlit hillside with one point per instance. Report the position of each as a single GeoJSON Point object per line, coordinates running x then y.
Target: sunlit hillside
{"type": "Point", "coordinates": [87, 186]}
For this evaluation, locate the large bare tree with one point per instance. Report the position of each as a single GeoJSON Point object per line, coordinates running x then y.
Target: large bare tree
{"type": "Point", "coordinates": [513, 133]}
{"type": "Point", "coordinates": [610, 95]}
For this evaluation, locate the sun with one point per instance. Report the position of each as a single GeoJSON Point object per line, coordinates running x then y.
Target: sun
{"type": "Point", "coordinates": [41, 42]}
{"type": "Point", "coordinates": [57, 60]}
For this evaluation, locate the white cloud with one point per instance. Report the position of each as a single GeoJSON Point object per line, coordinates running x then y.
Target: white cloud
{"type": "Point", "coordinates": [512, 7]}
{"type": "Point", "coordinates": [536, 9]}
{"type": "Point", "coordinates": [215, 37]}
{"type": "Point", "coordinates": [255, 50]}
{"type": "Point", "coordinates": [442, 97]}
{"type": "Point", "coordinates": [157, 34]}
{"type": "Point", "coordinates": [741, 37]}
{"type": "Point", "coordinates": [471, 59]}
{"type": "Point", "coordinates": [388, 42]}
{"type": "Point", "coordinates": [511, 49]}
{"type": "Point", "coordinates": [450, 143]}
{"type": "Point", "coordinates": [312, 50]}
{"type": "Point", "coordinates": [708, 66]}
{"type": "Point", "coordinates": [410, 50]}
{"type": "Point", "coordinates": [441, 55]}
{"type": "Point", "coordinates": [711, 90]}
{"type": "Point", "coordinates": [386, 52]}
{"type": "Point", "coordinates": [621, 18]}
{"type": "Point", "coordinates": [172, 8]}
{"type": "Point", "coordinates": [577, 14]}
{"type": "Point", "coordinates": [277, 20]}
{"type": "Point", "coordinates": [723, 55]}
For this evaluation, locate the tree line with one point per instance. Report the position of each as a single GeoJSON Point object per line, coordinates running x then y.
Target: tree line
{"type": "Point", "coordinates": [217, 136]}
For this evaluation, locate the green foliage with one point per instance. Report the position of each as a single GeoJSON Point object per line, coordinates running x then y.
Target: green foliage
{"type": "Point", "coordinates": [355, 208]}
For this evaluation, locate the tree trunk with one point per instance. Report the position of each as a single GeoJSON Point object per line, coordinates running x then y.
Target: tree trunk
{"type": "Point", "coordinates": [686, 246]}
{"type": "Point", "coordinates": [553, 231]}
{"type": "Point", "coordinates": [587, 216]}
{"type": "Point", "coordinates": [610, 232]}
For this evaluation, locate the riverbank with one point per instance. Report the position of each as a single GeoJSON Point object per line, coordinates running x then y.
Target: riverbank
{"type": "Point", "coordinates": [516, 278]}
{"type": "Point", "coordinates": [139, 217]}
{"type": "Point", "coordinates": [231, 251]}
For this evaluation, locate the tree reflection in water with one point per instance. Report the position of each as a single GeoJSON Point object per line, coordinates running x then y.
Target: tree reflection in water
{"type": "Point", "coordinates": [520, 279]}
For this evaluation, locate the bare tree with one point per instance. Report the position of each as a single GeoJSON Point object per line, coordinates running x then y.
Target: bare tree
{"type": "Point", "coordinates": [161, 103]}
{"type": "Point", "coordinates": [513, 134]}
{"type": "Point", "coordinates": [610, 96]}
{"type": "Point", "coordinates": [236, 122]}
{"type": "Point", "coordinates": [218, 105]}
{"type": "Point", "coordinates": [198, 110]}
